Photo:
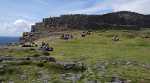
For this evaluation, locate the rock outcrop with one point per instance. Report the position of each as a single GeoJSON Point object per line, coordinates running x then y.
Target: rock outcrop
{"type": "Point", "coordinates": [36, 59]}
{"type": "Point", "coordinates": [116, 20]}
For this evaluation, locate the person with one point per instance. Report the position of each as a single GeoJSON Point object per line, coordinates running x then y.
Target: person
{"type": "Point", "coordinates": [83, 34]}
{"type": "Point", "coordinates": [115, 38]}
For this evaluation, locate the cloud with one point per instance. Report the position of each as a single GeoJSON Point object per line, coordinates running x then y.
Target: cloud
{"type": "Point", "coordinates": [15, 28]}
{"type": "Point", "coordinates": [91, 10]}
{"type": "Point", "coordinates": [97, 7]}
{"type": "Point", "coordinates": [140, 6]}
{"type": "Point", "coordinates": [23, 24]}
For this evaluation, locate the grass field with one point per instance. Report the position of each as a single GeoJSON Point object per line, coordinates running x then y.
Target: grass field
{"type": "Point", "coordinates": [128, 58]}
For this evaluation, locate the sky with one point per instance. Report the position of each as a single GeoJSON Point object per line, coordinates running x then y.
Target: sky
{"type": "Point", "coordinates": [17, 16]}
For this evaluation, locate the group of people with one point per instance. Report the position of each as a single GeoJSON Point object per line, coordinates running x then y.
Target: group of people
{"type": "Point", "coordinates": [29, 44]}
{"type": "Point", "coordinates": [83, 34]}
{"type": "Point", "coordinates": [70, 36]}
{"type": "Point", "coordinates": [67, 36]}
{"type": "Point", "coordinates": [46, 47]}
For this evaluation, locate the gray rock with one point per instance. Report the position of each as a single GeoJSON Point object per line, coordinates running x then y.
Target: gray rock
{"type": "Point", "coordinates": [11, 81]}
{"type": "Point", "coordinates": [37, 59]}
{"type": "Point", "coordinates": [45, 81]}
{"type": "Point", "coordinates": [147, 66]}
{"type": "Point", "coordinates": [118, 80]}
{"type": "Point", "coordinates": [92, 81]}
{"type": "Point", "coordinates": [23, 77]}
{"type": "Point", "coordinates": [1, 81]}
{"type": "Point", "coordinates": [72, 77]}
{"type": "Point", "coordinates": [72, 65]}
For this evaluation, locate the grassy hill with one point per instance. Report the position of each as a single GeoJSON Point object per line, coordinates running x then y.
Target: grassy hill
{"type": "Point", "coordinates": [128, 58]}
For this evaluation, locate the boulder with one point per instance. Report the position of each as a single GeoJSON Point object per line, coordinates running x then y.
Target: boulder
{"type": "Point", "coordinates": [23, 77]}
{"type": "Point", "coordinates": [118, 80]}
{"type": "Point", "coordinates": [47, 58]}
{"type": "Point", "coordinates": [71, 76]}
{"type": "Point", "coordinates": [1, 81]}
{"type": "Point", "coordinates": [73, 65]}
{"type": "Point", "coordinates": [92, 81]}
{"type": "Point", "coordinates": [11, 81]}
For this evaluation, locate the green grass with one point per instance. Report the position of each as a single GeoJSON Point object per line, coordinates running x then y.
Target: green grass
{"type": "Point", "coordinates": [95, 47]}
{"type": "Point", "coordinates": [93, 50]}
{"type": "Point", "coordinates": [100, 47]}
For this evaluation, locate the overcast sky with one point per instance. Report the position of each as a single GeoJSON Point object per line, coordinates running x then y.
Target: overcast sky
{"type": "Point", "coordinates": [16, 16]}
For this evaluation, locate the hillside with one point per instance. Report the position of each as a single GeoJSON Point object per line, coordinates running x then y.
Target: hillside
{"type": "Point", "coordinates": [116, 20]}
{"type": "Point", "coordinates": [79, 21]}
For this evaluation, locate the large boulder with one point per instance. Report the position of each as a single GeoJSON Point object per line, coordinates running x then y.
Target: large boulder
{"type": "Point", "coordinates": [72, 65]}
